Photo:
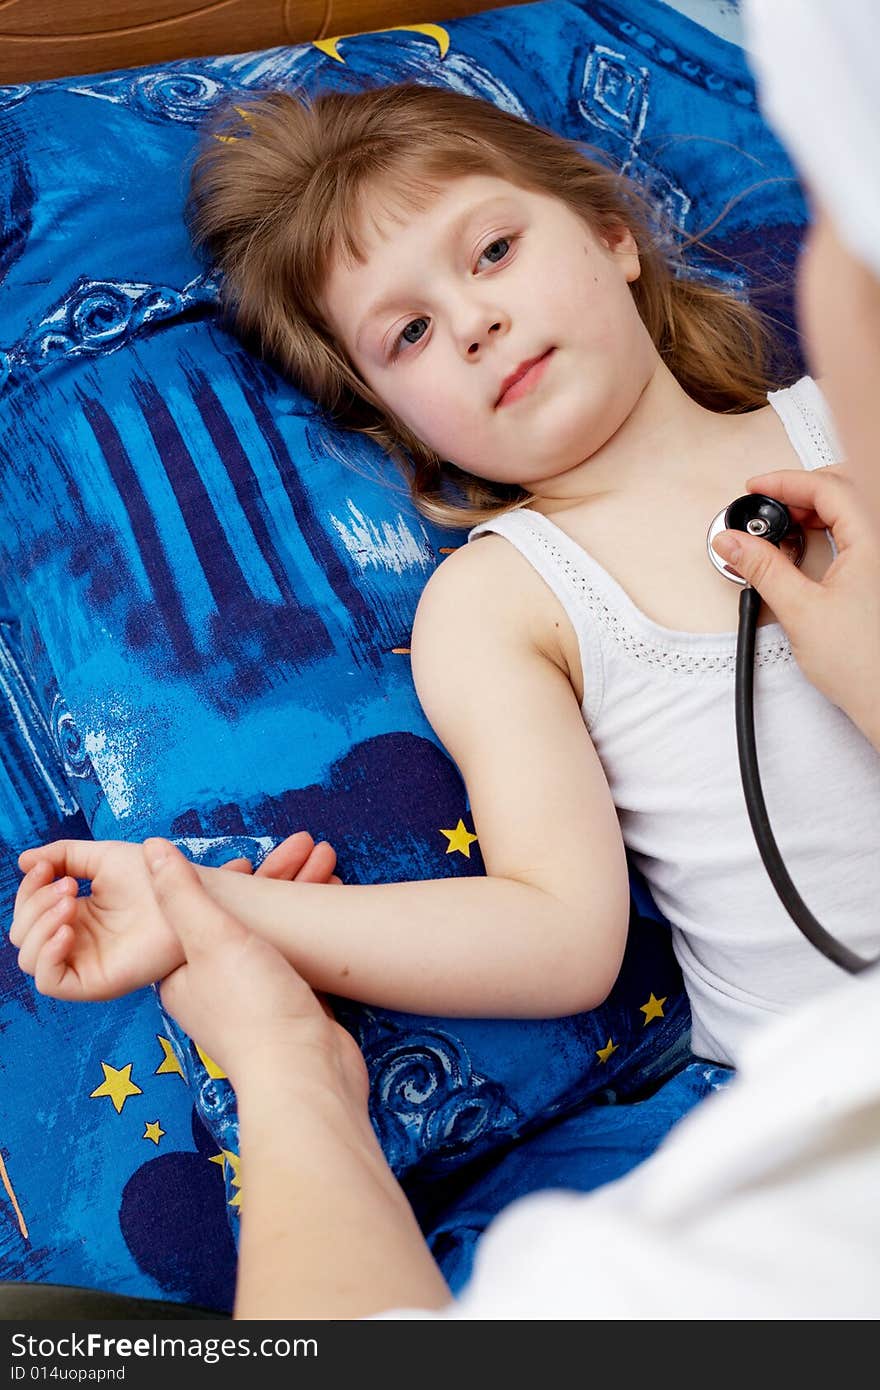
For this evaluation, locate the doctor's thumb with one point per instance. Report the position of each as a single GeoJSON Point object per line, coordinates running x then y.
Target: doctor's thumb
{"type": "Point", "coordinates": [185, 903]}
{"type": "Point", "coordinates": [776, 578]}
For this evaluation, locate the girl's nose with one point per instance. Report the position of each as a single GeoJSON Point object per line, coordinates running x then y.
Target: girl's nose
{"type": "Point", "coordinates": [475, 346]}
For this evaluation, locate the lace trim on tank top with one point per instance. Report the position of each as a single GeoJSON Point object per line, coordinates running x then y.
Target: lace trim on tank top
{"type": "Point", "coordinates": [818, 438]}
{"type": "Point", "coordinates": [629, 627]}
{"type": "Point", "coordinates": [771, 648]}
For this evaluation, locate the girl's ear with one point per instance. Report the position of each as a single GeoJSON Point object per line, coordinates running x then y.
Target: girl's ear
{"type": "Point", "coordinates": [621, 242]}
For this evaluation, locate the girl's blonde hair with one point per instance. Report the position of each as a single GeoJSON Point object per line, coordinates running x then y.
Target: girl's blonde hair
{"type": "Point", "coordinates": [279, 189]}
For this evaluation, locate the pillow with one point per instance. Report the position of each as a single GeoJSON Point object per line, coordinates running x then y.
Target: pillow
{"type": "Point", "coordinates": [214, 587]}
{"type": "Point", "coordinates": [105, 1172]}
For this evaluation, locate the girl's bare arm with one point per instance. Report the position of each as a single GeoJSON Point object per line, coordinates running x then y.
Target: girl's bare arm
{"type": "Point", "coordinates": [468, 947]}
{"type": "Point", "coordinates": [543, 933]}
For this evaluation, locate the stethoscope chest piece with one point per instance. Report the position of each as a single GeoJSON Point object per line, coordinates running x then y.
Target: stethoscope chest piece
{"type": "Point", "coordinates": [759, 516]}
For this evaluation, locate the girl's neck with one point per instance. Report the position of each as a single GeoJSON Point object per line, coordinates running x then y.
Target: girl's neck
{"type": "Point", "coordinates": [666, 441]}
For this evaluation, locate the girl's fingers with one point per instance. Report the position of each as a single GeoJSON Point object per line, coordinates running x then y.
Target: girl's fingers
{"type": "Point", "coordinates": [36, 899]}
{"type": "Point", "coordinates": [292, 859]}
{"type": "Point", "coordinates": [43, 928]}
{"type": "Point", "coordinates": [51, 967]}
{"type": "Point", "coordinates": [40, 873]}
{"type": "Point", "coordinates": [286, 859]}
{"type": "Point", "coordinates": [238, 866]}
{"type": "Point", "coordinates": [29, 858]}
{"type": "Point", "coordinates": [319, 866]}
{"type": "Point", "coordinates": [334, 878]}
{"type": "Point", "coordinates": [81, 858]}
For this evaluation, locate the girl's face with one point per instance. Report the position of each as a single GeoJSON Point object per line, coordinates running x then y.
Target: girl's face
{"type": "Point", "coordinates": [452, 300]}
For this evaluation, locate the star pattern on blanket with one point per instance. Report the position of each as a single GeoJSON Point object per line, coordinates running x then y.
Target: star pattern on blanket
{"type": "Point", "coordinates": [153, 1131]}
{"type": "Point", "coordinates": [653, 1008]}
{"type": "Point", "coordinates": [460, 840]}
{"type": "Point", "coordinates": [117, 1085]}
{"type": "Point", "coordinates": [227, 1157]}
{"type": "Point", "coordinates": [170, 1063]}
{"type": "Point", "coordinates": [216, 1073]}
{"type": "Point", "coordinates": [432, 31]}
{"type": "Point", "coordinates": [603, 1053]}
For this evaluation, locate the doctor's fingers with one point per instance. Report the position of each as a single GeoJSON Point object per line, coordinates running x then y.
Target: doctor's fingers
{"type": "Point", "coordinates": [37, 892]}
{"type": "Point", "coordinates": [224, 960]}
{"type": "Point", "coordinates": [827, 496]}
{"type": "Point", "coordinates": [780, 583]}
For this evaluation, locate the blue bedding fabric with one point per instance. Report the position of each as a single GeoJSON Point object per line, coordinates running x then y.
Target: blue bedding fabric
{"type": "Point", "coordinates": [207, 595]}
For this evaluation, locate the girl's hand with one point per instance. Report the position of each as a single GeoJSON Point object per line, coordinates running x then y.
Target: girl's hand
{"type": "Point", "coordinates": [297, 859]}
{"type": "Point", "coordinates": [833, 624]}
{"type": "Point", "coordinates": [96, 947]}
{"type": "Point", "coordinates": [115, 941]}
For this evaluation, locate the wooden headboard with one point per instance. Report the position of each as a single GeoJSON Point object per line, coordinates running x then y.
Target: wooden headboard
{"type": "Point", "coordinates": [65, 38]}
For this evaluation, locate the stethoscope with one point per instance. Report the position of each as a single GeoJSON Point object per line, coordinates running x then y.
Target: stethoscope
{"type": "Point", "coordinates": [765, 517]}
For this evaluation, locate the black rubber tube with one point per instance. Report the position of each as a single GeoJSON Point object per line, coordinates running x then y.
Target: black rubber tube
{"type": "Point", "coordinates": [800, 914]}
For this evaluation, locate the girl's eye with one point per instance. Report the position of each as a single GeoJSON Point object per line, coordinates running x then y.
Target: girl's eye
{"type": "Point", "coordinates": [413, 324]}
{"type": "Point", "coordinates": [406, 336]}
{"type": "Point", "coordinates": [502, 241]}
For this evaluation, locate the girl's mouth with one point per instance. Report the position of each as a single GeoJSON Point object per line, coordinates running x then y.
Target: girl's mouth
{"type": "Point", "coordinates": [527, 381]}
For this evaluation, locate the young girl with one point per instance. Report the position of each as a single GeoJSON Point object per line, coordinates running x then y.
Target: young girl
{"type": "Point", "coordinates": [494, 309]}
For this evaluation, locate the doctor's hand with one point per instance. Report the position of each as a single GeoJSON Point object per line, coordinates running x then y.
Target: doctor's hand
{"type": "Point", "coordinates": [834, 623]}
{"type": "Point", "coordinates": [242, 1001]}
{"type": "Point", "coordinates": [114, 940]}
{"type": "Point", "coordinates": [327, 1230]}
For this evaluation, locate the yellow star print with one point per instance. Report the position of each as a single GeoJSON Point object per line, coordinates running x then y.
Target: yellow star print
{"type": "Point", "coordinates": [432, 31]}
{"type": "Point", "coordinates": [227, 1156]}
{"type": "Point", "coordinates": [235, 1163]}
{"type": "Point", "coordinates": [460, 839]}
{"type": "Point", "coordinates": [211, 1067]}
{"type": "Point", "coordinates": [169, 1062]}
{"type": "Point", "coordinates": [118, 1085]}
{"type": "Point", "coordinates": [153, 1131]}
{"type": "Point", "coordinates": [603, 1053]}
{"type": "Point", "coordinates": [653, 1008]}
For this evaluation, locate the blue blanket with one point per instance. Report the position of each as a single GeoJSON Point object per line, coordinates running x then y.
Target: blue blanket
{"type": "Point", "coordinates": [207, 599]}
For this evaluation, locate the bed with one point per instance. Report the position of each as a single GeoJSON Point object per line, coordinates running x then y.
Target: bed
{"type": "Point", "coordinates": [206, 592]}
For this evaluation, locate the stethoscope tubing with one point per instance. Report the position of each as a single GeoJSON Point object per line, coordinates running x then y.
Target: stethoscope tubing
{"type": "Point", "coordinates": [744, 700]}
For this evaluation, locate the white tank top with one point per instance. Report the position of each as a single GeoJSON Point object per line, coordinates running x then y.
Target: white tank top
{"type": "Point", "coordinates": [658, 705]}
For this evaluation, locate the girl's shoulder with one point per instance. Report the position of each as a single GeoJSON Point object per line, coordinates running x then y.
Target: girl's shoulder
{"type": "Point", "coordinates": [485, 590]}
